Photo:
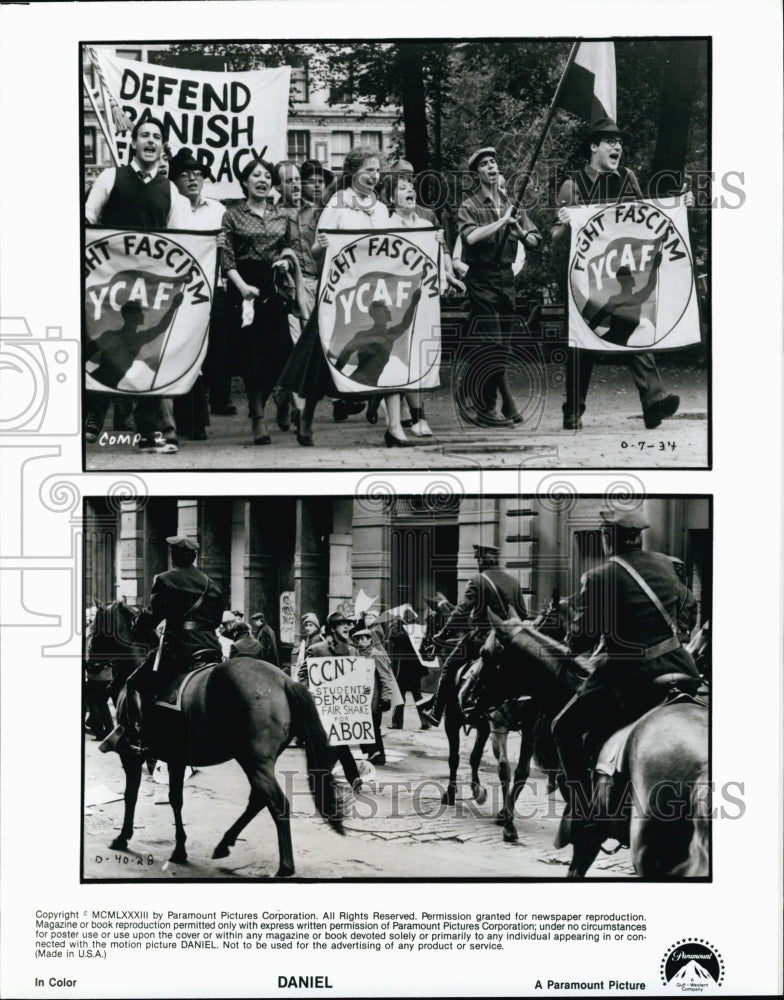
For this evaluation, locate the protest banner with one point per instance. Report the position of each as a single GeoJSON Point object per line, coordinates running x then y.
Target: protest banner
{"type": "Point", "coordinates": [342, 687]}
{"type": "Point", "coordinates": [147, 302]}
{"type": "Point", "coordinates": [416, 634]}
{"type": "Point", "coordinates": [379, 309]}
{"type": "Point", "coordinates": [631, 278]}
{"type": "Point", "coordinates": [226, 119]}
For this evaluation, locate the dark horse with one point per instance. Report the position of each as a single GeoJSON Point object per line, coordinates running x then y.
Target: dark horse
{"type": "Point", "coordinates": [661, 790]}
{"type": "Point", "coordinates": [242, 709]}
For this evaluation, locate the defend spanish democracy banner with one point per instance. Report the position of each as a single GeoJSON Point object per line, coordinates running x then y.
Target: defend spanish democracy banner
{"type": "Point", "coordinates": [379, 309]}
{"type": "Point", "coordinates": [631, 280]}
{"type": "Point", "coordinates": [224, 118]}
{"type": "Point", "coordinates": [342, 687]}
{"type": "Point", "coordinates": [147, 302]}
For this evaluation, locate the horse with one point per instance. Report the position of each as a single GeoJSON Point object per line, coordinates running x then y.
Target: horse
{"type": "Point", "coordinates": [242, 709]}
{"type": "Point", "coordinates": [664, 776]}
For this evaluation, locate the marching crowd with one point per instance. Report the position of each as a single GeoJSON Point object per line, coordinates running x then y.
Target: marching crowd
{"type": "Point", "coordinates": [264, 324]}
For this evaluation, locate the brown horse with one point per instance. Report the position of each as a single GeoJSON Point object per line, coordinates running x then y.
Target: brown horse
{"type": "Point", "coordinates": [242, 709]}
{"type": "Point", "coordinates": [663, 785]}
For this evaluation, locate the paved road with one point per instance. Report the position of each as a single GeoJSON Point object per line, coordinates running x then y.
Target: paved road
{"type": "Point", "coordinates": [613, 435]}
{"type": "Point", "coordinates": [397, 827]}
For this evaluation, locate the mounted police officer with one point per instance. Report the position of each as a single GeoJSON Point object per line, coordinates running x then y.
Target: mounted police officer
{"type": "Point", "coordinates": [631, 602]}
{"type": "Point", "coordinates": [491, 587]}
{"type": "Point", "coordinates": [192, 607]}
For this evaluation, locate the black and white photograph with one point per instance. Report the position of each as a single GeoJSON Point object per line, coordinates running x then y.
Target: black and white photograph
{"type": "Point", "coordinates": [390, 539]}
{"type": "Point", "coordinates": [427, 664]}
{"type": "Point", "coordinates": [309, 255]}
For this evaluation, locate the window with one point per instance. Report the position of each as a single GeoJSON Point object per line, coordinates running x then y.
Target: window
{"type": "Point", "coordinates": [299, 84]}
{"type": "Point", "coordinates": [90, 147]}
{"type": "Point", "coordinates": [135, 54]}
{"type": "Point", "coordinates": [341, 144]}
{"type": "Point", "coordinates": [372, 139]}
{"type": "Point", "coordinates": [298, 146]}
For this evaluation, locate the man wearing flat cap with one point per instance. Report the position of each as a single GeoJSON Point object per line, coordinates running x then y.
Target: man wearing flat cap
{"type": "Point", "coordinates": [491, 587]}
{"type": "Point", "coordinates": [631, 602]}
{"type": "Point", "coordinates": [490, 228]}
{"type": "Point", "coordinates": [192, 606]}
{"type": "Point", "coordinates": [602, 180]}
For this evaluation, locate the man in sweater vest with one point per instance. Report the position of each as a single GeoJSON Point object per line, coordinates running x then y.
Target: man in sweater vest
{"type": "Point", "coordinates": [142, 196]}
{"type": "Point", "coordinates": [602, 180]}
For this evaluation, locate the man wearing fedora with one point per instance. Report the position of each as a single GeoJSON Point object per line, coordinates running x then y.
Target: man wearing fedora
{"type": "Point", "coordinates": [192, 606]}
{"type": "Point", "coordinates": [490, 587]}
{"type": "Point", "coordinates": [602, 180]}
{"type": "Point", "coordinates": [490, 228]}
{"type": "Point", "coordinates": [631, 602]}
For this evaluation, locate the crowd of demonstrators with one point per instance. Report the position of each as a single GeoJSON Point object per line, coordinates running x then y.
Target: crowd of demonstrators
{"type": "Point", "coordinates": [272, 252]}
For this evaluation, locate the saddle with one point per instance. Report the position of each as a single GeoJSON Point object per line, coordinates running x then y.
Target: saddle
{"type": "Point", "coordinates": [171, 693]}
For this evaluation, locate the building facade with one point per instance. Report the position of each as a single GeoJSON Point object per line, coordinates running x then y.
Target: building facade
{"type": "Point", "coordinates": [286, 555]}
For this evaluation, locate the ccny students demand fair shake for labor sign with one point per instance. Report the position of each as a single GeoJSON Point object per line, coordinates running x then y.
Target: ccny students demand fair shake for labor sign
{"type": "Point", "coordinates": [631, 281]}
{"type": "Point", "coordinates": [342, 687]}
{"type": "Point", "coordinates": [379, 309]}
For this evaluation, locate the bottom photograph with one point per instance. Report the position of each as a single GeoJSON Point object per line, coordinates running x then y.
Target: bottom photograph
{"type": "Point", "coordinates": [405, 687]}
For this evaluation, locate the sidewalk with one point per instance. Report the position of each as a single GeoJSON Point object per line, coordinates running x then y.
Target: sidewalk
{"type": "Point", "coordinates": [613, 434]}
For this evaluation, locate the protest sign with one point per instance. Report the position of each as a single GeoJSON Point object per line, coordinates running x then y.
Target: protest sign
{"type": "Point", "coordinates": [416, 634]}
{"type": "Point", "coordinates": [631, 279]}
{"type": "Point", "coordinates": [147, 302]}
{"type": "Point", "coordinates": [226, 119]}
{"type": "Point", "coordinates": [342, 687]}
{"type": "Point", "coordinates": [379, 309]}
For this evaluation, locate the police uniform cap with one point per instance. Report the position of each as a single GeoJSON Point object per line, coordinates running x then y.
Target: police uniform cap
{"type": "Point", "coordinates": [477, 155]}
{"type": "Point", "coordinates": [485, 550]}
{"type": "Point", "coordinates": [633, 520]}
{"type": "Point", "coordinates": [181, 542]}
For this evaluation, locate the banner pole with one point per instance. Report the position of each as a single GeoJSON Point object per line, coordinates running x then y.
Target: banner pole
{"type": "Point", "coordinates": [518, 198]}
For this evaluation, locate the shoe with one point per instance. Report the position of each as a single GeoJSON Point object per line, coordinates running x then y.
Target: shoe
{"type": "Point", "coordinates": [430, 719]}
{"type": "Point", "coordinates": [396, 442]}
{"type": "Point", "coordinates": [420, 429]}
{"type": "Point", "coordinates": [226, 410]}
{"type": "Point", "coordinates": [150, 445]}
{"type": "Point", "coordinates": [661, 409]}
{"type": "Point", "coordinates": [378, 759]}
{"type": "Point", "coordinates": [305, 440]}
{"type": "Point", "coordinates": [259, 431]}
{"type": "Point", "coordinates": [572, 422]}
{"type": "Point", "coordinates": [514, 418]}
{"type": "Point", "coordinates": [339, 411]}
{"type": "Point", "coordinates": [90, 437]}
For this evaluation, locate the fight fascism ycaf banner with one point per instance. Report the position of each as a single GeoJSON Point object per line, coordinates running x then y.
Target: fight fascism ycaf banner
{"type": "Point", "coordinates": [147, 302]}
{"type": "Point", "coordinates": [631, 278]}
{"type": "Point", "coordinates": [224, 118]}
{"type": "Point", "coordinates": [379, 310]}
{"type": "Point", "coordinates": [343, 687]}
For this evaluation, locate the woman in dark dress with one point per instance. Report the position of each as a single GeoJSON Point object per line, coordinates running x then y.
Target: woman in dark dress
{"type": "Point", "coordinates": [256, 233]}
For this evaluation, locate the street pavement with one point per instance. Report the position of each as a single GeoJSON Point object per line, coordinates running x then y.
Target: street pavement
{"type": "Point", "coordinates": [396, 828]}
{"type": "Point", "coordinates": [613, 434]}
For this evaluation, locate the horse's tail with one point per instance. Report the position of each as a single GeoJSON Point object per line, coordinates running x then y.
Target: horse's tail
{"type": "Point", "coordinates": [307, 725]}
{"type": "Point", "coordinates": [697, 862]}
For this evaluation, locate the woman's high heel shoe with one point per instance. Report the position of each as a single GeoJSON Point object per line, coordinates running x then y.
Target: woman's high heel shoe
{"type": "Point", "coordinates": [396, 442]}
{"type": "Point", "coordinates": [371, 414]}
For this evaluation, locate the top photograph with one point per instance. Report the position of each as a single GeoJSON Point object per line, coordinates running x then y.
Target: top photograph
{"type": "Point", "coordinates": [396, 254]}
